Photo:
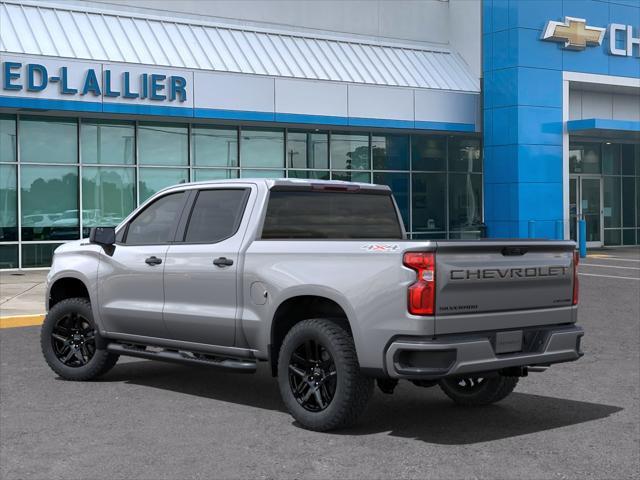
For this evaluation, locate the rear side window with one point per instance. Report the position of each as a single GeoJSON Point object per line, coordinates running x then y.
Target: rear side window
{"type": "Point", "coordinates": [332, 215]}
{"type": "Point", "coordinates": [216, 215]}
{"type": "Point", "coordinates": [157, 222]}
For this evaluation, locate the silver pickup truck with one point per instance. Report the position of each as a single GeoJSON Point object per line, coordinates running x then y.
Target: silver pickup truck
{"type": "Point", "coordinates": [317, 279]}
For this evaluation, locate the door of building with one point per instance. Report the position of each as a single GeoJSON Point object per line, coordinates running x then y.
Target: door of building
{"type": "Point", "coordinates": [585, 202]}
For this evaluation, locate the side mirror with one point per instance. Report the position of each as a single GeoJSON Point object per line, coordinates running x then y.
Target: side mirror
{"type": "Point", "coordinates": [105, 236]}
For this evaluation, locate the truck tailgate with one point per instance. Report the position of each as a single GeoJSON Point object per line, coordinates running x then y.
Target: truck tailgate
{"type": "Point", "coordinates": [488, 285]}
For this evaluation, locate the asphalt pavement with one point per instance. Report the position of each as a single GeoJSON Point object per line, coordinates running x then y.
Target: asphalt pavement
{"type": "Point", "coordinates": [152, 420]}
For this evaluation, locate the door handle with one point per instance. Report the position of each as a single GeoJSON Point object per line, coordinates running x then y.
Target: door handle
{"type": "Point", "coordinates": [223, 262]}
{"type": "Point", "coordinates": [153, 261]}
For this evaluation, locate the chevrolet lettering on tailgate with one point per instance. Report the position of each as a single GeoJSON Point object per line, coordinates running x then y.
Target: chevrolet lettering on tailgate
{"type": "Point", "coordinates": [499, 273]}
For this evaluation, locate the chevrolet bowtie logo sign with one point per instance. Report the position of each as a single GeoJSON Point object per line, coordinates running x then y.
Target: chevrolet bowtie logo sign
{"type": "Point", "coordinates": [574, 33]}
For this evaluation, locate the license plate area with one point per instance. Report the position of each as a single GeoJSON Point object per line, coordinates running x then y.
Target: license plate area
{"type": "Point", "coordinates": [508, 342]}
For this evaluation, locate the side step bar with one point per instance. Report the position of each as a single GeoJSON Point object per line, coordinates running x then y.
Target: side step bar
{"type": "Point", "coordinates": [183, 357]}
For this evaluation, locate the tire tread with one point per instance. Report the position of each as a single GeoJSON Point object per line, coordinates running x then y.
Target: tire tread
{"type": "Point", "coordinates": [101, 362]}
{"type": "Point", "coordinates": [358, 388]}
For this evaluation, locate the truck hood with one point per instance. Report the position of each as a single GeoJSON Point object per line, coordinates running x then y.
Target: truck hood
{"type": "Point", "coordinates": [75, 246]}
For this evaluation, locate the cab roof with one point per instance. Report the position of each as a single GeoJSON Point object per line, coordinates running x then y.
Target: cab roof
{"type": "Point", "coordinates": [292, 184]}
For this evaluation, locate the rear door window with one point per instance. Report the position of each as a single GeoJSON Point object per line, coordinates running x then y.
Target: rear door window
{"type": "Point", "coordinates": [330, 215]}
{"type": "Point", "coordinates": [216, 215]}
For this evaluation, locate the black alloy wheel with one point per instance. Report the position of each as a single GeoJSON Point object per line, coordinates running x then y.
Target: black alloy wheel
{"type": "Point", "coordinates": [319, 375]}
{"type": "Point", "coordinates": [73, 340]}
{"type": "Point", "coordinates": [472, 391]}
{"type": "Point", "coordinates": [469, 384]}
{"type": "Point", "coordinates": [312, 376]}
{"type": "Point", "coordinates": [71, 343]}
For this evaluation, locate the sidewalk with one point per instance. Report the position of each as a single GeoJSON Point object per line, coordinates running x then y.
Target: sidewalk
{"type": "Point", "coordinates": [22, 293]}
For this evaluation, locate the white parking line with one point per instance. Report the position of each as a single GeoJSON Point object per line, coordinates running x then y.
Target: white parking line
{"type": "Point", "coordinates": [608, 276]}
{"type": "Point", "coordinates": [615, 259]}
{"type": "Point", "coordinates": [607, 266]}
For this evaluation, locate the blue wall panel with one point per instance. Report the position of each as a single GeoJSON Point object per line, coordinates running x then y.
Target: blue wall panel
{"type": "Point", "coordinates": [538, 87]}
{"type": "Point", "coordinates": [522, 103]}
{"type": "Point", "coordinates": [539, 163]}
{"type": "Point", "coordinates": [534, 53]}
{"type": "Point", "coordinates": [533, 14]}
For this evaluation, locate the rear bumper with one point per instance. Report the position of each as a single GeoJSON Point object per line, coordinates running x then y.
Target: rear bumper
{"type": "Point", "coordinates": [464, 354]}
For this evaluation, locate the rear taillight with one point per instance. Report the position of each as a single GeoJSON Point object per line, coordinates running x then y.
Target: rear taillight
{"type": "Point", "coordinates": [576, 283]}
{"type": "Point", "coordinates": [422, 293]}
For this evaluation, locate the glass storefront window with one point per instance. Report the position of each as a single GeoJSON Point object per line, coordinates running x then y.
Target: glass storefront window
{"type": "Point", "coordinates": [429, 236]}
{"type": "Point", "coordinates": [351, 176]}
{"type": "Point", "coordinates": [611, 196]}
{"type": "Point", "coordinates": [638, 202]}
{"type": "Point", "coordinates": [108, 196]}
{"type": "Point", "coordinates": [8, 203]}
{"type": "Point", "coordinates": [428, 153]}
{"type": "Point", "coordinates": [7, 138]}
{"type": "Point", "coordinates": [629, 236]}
{"type": "Point", "coordinates": [628, 202]}
{"type": "Point", "coordinates": [202, 174]}
{"type": "Point", "coordinates": [214, 146]}
{"type": "Point", "coordinates": [584, 158]}
{"type": "Point", "coordinates": [610, 159]}
{"type": "Point", "coordinates": [390, 152]}
{"type": "Point", "coordinates": [107, 141]}
{"type": "Point", "coordinates": [262, 173]}
{"type": "Point", "coordinates": [350, 152]}
{"type": "Point", "coordinates": [48, 139]}
{"type": "Point", "coordinates": [399, 184]}
{"type": "Point", "coordinates": [124, 162]}
{"type": "Point", "coordinates": [154, 179]}
{"type": "Point", "coordinates": [465, 201]}
{"type": "Point", "coordinates": [617, 166]}
{"type": "Point", "coordinates": [8, 256]}
{"type": "Point", "coordinates": [429, 202]}
{"type": "Point", "coordinates": [465, 154]}
{"type": "Point", "coordinates": [162, 144]}
{"type": "Point", "coordinates": [314, 174]}
{"type": "Point", "coordinates": [307, 150]}
{"type": "Point", "coordinates": [261, 148]}
{"type": "Point", "coordinates": [49, 196]}
{"type": "Point", "coordinates": [627, 160]}
{"type": "Point", "coordinates": [612, 237]}
{"type": "Point", "coordinates": [38, 255]}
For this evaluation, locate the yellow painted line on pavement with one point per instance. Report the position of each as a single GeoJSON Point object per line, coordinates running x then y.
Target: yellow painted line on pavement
{"type": "Point", "coordinates": [21, 321]}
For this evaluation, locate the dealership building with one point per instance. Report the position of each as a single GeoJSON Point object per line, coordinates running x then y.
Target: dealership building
{"type": "Point", "coordinates": [497, 118]}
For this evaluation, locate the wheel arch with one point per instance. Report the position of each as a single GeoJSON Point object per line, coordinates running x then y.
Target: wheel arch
{"type": "Point", "coordinates": [67, 287]}
{"type": "Point", "coordinates": [296, 309]}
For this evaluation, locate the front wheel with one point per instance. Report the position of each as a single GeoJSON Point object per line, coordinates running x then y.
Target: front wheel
{"type": "Point", "coordinates": [319, 376]}
{"type": "Point", "coordinates": [473, 391]}
{"type": "Point", "coordinates": [68, 341]}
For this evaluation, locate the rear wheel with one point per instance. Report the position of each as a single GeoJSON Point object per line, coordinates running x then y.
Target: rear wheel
{"type": "Point", "coordinates": [319, 376]}
{"type": "Point", "coordinates": [68, 341]}
{"type": "Point", "coordinates": [472, 391]}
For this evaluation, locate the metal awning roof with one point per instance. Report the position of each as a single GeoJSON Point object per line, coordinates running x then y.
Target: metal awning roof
{"type": "Point", "coordinates": [67, 31]}
{"type": "Point", "coordinates": [605, 128]}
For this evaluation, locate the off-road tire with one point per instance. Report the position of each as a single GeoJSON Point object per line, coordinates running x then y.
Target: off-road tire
{"type": "Point", "coordinates": [491, 390]}
{"type": "Point", "coordinates": [352, 388]}
{"type": "Point", "coordinates": [100, 362]}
